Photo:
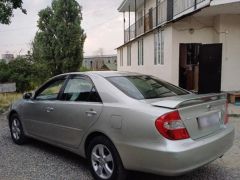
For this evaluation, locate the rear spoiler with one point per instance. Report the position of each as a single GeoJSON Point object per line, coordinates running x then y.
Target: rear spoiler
{"type": "Point", "coordinates": [183, 101]}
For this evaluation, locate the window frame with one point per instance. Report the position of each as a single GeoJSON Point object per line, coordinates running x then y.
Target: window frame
{"type": "Point", "coordinates": [159, 43]}
{"type": "Point", "coordinates": [47, 84]}
{"type": "Point", "coordinates": [121, 57]}
{"type": "Point", "coordinates": [140, 52]}
{"type": "Point", "coordinates": [80, 76]}
{"type": "Point", "coordinates": [129, 55]}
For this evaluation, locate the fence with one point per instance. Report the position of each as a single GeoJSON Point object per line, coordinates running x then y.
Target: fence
{"type": "Point", "coordinates": [7, 87]}
{"type": "Point", "coordinates": [150, 20]}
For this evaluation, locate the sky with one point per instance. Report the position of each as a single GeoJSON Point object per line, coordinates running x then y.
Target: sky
{"type": "Point", "coordinates": [102, 23]}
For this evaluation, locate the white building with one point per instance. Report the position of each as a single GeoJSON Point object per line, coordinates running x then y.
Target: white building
{"type": "Point", "coordinates": [7, 57]}
{"type": "Point", "coordinates": [100, 62]}
{"type": "Point", "coordinates": [191, 43]}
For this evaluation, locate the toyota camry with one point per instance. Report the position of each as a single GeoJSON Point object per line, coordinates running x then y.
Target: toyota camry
{"type": "Point", "coordinates": [124, 121]}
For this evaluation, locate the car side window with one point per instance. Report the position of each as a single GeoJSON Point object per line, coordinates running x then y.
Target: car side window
{"type": "Point", "coordinates": [80, 89]}
{"type": "Point", "coordinates": [51, 91]}
{"type": "Point", "coordinates": [94, 96]}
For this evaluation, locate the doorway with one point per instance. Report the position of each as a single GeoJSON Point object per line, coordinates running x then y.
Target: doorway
{"type": "Point", "coordinates": [200, 67]}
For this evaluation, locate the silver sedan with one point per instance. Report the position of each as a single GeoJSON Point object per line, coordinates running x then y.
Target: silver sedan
{"type": "Point", "coordinates": [125, 121]}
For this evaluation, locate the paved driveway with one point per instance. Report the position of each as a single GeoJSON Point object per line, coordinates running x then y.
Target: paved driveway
{"type": "Point", "coordinates": [38, 160]}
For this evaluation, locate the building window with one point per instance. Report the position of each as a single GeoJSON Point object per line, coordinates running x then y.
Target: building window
{"type": "Point", "coordinates": [140, 52]}
{"type": "Point", "coordinates": [129, 55]}
{"type": "Point", "coordinates": [159, 47]}
{"type": "Point", "coordinates": [121, 57]}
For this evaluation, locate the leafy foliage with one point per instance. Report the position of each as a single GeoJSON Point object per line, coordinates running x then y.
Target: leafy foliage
{"type": "Point", "coordinates": [6, 10]}
{"type": "Point", "coordinates": [84, 69]}
{"type": "Point", "coordinates": [24, 72]}
{"type": "Point", "coordinates": [4, 72]}
{"type": "Point", "coordinates": [21, 72]}
{"type": "Point", "coordinates": [59, 42]}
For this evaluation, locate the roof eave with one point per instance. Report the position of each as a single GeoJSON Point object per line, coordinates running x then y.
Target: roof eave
{"type": "Point", "coordinates": [121, 7]}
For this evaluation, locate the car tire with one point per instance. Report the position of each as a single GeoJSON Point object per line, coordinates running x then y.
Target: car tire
{"type": "Point", "coordinates": [104, 160]}
{"type": "Point", "coordinates": [16, 130]}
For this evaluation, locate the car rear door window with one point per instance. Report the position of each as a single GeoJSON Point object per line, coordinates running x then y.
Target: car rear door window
{"type": "Point", "coordinates": [80, 89]}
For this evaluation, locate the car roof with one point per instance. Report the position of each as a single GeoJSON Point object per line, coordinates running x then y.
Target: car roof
{"type": "Point", "coordinates": [103, 73]}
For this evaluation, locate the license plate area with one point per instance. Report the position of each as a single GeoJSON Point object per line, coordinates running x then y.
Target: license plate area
{"type": "Point", "coordinates": [209, 120]}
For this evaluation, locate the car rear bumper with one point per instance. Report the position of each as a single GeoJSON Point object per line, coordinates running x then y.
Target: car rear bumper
{"type": "Point", "coordinates": [174, 158]}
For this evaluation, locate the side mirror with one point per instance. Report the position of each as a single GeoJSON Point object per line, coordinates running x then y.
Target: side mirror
{"type": "Point", "coordinates": [27, 95]}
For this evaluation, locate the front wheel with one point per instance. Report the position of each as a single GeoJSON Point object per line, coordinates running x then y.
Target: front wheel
{"type": "Point", "coordinates": [16, 130]}
{"type": "Point", "coordinates": [104, 160]}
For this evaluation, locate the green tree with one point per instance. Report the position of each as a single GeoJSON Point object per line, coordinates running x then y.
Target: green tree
{"type": "Point", "coordinates": [22, 72]}
{"type": "Point", "coordinates": [6, 10]}
{"type": "Point", "coordinates": [59, 42]}
{"type": "Point", "coordinates": [4, 72]}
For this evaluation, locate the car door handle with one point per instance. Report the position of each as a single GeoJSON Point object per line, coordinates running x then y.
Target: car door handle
{"type": "Point", "coordinates": [49, 109]}
{"type": "Point", "coordinates": [91, 112]}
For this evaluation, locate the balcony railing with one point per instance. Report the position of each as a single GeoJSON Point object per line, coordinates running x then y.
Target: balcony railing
{"type": "Point", "coordinates": [183, 5]}
{"type": "Point", "coordinates": [159, 15]}
{"type": "Point", "coordinates": [156, 16]}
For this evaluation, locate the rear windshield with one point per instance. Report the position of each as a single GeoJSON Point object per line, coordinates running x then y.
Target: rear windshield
{"type": "Point", "coordinates": [145, 87]}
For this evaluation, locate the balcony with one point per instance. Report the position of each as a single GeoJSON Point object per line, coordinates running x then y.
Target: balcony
{"type": "Point", "coordinates": [187, 6]}
{"type": "Point", "coordinates": [149, 21]}
{"type": "Point", "coordinates": [166, 10]}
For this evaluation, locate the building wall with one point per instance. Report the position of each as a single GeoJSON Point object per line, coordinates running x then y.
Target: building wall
{"type": "Point", "coordinates": [229, 35]}
{"type": "Point", "coordinates": [191, 30]}
{"type": "Point", "coordinates": [218, 2]}
{"type": "Point", "coordinates": [7, 57]}
{"type": "Point", "coordinates": [223, 29]}
{"type": "Point", "coordinates": [161, 71]}
{"type": "Point", "coordinates": [96, 62]}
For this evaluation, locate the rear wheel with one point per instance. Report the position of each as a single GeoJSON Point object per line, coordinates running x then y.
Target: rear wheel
{"type": "Point", "coordinates": [16, 130]}
{"type": "Point", "coordinates": [104, 160]}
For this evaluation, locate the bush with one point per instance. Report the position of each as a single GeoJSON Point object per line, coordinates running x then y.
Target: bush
{"type": "Point", "coordinates": [4, 72]}
{"type": "Point", "coordinates": [83, 69]}
{"type": "Point", "coordinates": [21, 73]}
{"type": "Point", "coordinates": [26, 74]}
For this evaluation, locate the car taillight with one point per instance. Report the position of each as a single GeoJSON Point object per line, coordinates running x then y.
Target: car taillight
{"type": "Point", "coordinates": [226, 114]}
{"type": "Point", "coordinates": [171, 126]}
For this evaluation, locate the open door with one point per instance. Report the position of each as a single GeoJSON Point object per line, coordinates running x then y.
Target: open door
{"type": "Point", "coordinates": [200, 67]}
{"type": "Point", "coordinates": [210, 68]}
{"type": "Point", "coordinates": [189, 66]}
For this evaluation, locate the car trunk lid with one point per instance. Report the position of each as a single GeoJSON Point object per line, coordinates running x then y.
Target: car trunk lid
{"type": "Point", "coordinates": [202, 114]}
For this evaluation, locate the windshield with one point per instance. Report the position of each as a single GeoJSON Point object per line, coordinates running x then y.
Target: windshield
{"type": "Point", "coordinates": [145, 87]}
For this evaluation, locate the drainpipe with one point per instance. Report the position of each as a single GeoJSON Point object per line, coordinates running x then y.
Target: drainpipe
{"type": "Point", "coordinates": [129, 23]}
{"type": "Point", "coordinates": [124, 21]}
{"type": "Point", "coordinates": [135, 18]}
{"type": "Point", "coordinates": [144, 12]}
{"type": "Point", "coordinates": [157, 12]}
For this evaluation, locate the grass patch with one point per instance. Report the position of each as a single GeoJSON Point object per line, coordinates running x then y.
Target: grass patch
{"type": "Point", "coordinates": [6, 99]}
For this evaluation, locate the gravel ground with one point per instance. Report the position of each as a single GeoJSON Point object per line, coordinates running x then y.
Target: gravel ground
{"type": "Point", "coordinates": [38, 160]}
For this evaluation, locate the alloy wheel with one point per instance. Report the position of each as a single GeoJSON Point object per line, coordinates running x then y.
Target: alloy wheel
{"type": "Point", "coordinates": [102, 161]}
{"type": "Point", "coordinates": [16, 131]}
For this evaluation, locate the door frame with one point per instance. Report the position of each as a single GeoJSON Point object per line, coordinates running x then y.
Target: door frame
{"type": "Point", "coordinates": [182, 81]}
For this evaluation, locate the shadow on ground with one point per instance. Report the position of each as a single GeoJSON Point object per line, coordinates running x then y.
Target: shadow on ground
{"type": "Point", "coordinates": [212, 171]}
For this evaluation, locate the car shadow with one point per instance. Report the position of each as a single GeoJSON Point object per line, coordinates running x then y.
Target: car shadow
{"type": "Point", "coordinates": [57, 151]}
{"type": "Point", "coordinates": [208, 172]}
{"type": "Point", "coordinates": [211, 172]}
